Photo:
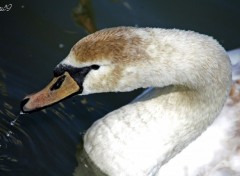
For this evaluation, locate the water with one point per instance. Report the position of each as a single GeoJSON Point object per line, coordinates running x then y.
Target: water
{"type": "Point", "coordinates": [12, 123]}
{"type": "Point", "coordinates": [36, 35]}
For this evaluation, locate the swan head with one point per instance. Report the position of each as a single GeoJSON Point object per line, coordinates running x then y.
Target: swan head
{"type": "Point", "coordinates": [127, 58]}
{"type": "Point", "coordinates": [101, 62]}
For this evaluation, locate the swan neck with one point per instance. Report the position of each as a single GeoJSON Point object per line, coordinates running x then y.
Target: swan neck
{"type": "Point", "coordinates": [191, 76]}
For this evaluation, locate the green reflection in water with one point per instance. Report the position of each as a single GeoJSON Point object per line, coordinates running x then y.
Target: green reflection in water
{"type": "Point", "coordinates": [3, 87]}
{"type": "Point", "coordinates": [84, 16]}
{"type": "Point", "coordinates": [85, 166]}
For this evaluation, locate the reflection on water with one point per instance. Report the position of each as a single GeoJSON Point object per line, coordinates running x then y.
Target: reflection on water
{"type": "Point", "coordinates": [85, 165]}
{"type": "Point", "coordinates": [83, 15]}
{"type": "Point", "coordinates": [3, 88]}
{"type": "Point", "coordinates": [35, 38]}
{"type": "Point", "coordinates": [8, 131]}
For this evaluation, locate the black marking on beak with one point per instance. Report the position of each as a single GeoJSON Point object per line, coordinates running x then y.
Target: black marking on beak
{"type": "Point", "coordinates": [58, 83]}
{"type": "Point", "coordinates": [59, 70]}
{"type": "Point", "coordinates": [78, 74]}
{"type": "Point", "coordinates": [23, 102]}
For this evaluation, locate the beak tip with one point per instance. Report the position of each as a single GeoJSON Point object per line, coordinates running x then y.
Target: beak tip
{"type": "Point", "coordinates": [22, 105]}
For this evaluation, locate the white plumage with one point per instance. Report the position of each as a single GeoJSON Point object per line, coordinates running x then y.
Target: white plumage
{"type": "Point", "coordinates": [155, 134]}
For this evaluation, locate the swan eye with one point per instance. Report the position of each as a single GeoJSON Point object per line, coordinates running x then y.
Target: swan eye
{"type": "Point", "coordinates": [95, 67]}
{"type": "Point", "coordinates": [58, 83]}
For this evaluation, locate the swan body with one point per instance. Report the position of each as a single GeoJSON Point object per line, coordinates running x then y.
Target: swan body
{"type": "Point", "coordinates": [191, 76]}
{"type": "Point", "coordinates": [217, 151]}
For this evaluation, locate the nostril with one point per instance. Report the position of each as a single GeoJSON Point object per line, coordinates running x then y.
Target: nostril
{"type": "Point", "coordinates": [24, 101]}
{"type": "Point", "coordinates": [58, 83]}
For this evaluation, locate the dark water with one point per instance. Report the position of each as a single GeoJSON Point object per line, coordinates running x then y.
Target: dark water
{"type": "Point", "coordinates": [36, 35]}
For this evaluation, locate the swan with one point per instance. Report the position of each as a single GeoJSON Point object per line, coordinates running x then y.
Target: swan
{"type": "Point", "coordinates": [191, 78]}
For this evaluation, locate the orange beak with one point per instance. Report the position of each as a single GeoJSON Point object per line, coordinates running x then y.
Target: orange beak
{"type": "Point", "coordinates": [58, 89]}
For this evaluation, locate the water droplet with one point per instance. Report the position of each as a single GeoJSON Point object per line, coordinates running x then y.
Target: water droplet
{"type": "Point", "coordinates": [21, 113]}
{"type": "Point", "coordinates": [9, 133]}
{"type": "Point", "coordinates": [61, 45]}
{"type": "Point", "coordinates": [12, 123]}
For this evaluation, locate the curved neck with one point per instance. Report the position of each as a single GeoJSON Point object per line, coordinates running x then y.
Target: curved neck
{"type": "Point", "coordinates": [192, 83]}
{"type": "Point", "coordinates": [191, 91]}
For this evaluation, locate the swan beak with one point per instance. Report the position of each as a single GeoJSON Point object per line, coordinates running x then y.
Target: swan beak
{"type": "Point", "coordinates": [59, 88]}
